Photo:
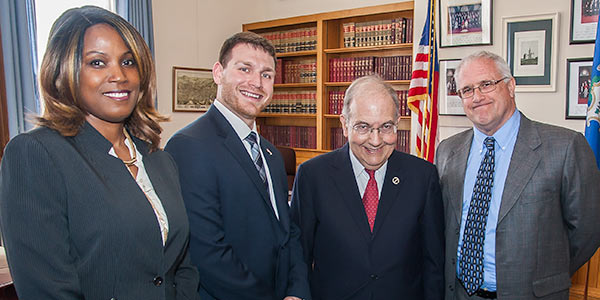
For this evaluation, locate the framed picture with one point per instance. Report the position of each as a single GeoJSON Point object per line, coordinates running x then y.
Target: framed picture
{"type": "Point", "coordinates": [465, 22]}
{"type": "Point", "coordinates": [530, 47]}
{"type": "Point", "coordinates": [579, 86]}
{"type": "Point", "coordinates": [450, 104]}
{"type": "Point", "coordinates": [584, 19]}
{"type": "Point", "coordinates": [193, 89]}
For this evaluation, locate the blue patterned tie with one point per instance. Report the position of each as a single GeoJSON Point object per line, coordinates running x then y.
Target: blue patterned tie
{"type": "Point", "coordinates": [471, 253]}
{"type": "Point", "coordinates": [257, 158]}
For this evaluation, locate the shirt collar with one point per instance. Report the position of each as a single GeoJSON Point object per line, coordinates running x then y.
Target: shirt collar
{"type": "Point", "coordinates": [503, 136]}
{"type": "Point", "coordinates": [358, 168]}
{"type": "Point", "coordinates": [240, 128]}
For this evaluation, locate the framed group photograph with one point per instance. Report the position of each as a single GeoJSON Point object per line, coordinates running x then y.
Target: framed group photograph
{"type": "Point", "coordinates": [579, 87]}
{"type": "Point", "coordinates": [465, 22]}
{"type": "Point", "coordinates": [584, 21]}
{"type": "Point", "coordinates": [193, 89]}
{"type": "Point", "coordinates": [530, 45]}
{"type": "Point", "coordinates": [450, 104]}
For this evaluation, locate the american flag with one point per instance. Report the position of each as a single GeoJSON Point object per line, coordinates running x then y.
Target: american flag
{"type": "Point", "coordinates": [423, 92]}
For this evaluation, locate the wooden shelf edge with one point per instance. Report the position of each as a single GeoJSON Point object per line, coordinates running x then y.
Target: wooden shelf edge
{"type": "Point", "coordinates": [407, 46]}
{"type": "Point", "coordinates": [297, 53]}
{"type": "Point", "coordinates": [295, 85]}
{"type": "Point", "coordinates": [286, 115]}
{"type": "Point", "coordinates": [309, 150]}
{"type": "Point", "coordinates": [334, 84]}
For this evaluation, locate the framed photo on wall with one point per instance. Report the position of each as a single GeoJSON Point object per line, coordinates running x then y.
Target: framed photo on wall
{"type": "Point", "coordinates": [450, 104]}
{"type": "Point", "coordinates": [530, 45]}
{"type": "Point", "coordinates": [584, 20]}
{"type": "Point", "coordinates": [579, 83]}
{"type": "Point", "coordinates": [465, 22]}
{"type": "Point", "coordinates": [193, 89]}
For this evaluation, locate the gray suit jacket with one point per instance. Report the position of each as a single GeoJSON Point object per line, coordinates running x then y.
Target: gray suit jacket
{"type": "Point", "coordinates": [77, 226]}
{"type": "Point", "coordinates": [549, 219]}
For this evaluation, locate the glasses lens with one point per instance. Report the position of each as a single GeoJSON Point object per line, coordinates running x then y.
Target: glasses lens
{"type": "Point", "coordinates": [487, 86]}
{"type": "Point", "coordinates": [466, 92]}
{"type": "Point", "coordinates": [387, 129]}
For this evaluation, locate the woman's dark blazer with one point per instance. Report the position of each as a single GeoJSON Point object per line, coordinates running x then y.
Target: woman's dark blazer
{"type": "Point", "coordinates": [77, 226]}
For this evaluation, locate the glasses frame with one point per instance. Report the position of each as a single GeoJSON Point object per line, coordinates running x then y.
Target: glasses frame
{"type": "Point", "coordinates": [493, 85]}
{"type": "Point", "coordinates": [370, 129]}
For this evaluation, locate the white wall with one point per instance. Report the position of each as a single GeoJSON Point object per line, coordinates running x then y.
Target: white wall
{"type": "Point", "coordinates": [190, 33]}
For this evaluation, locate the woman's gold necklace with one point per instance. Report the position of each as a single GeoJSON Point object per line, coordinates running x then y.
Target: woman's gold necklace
{"type": "Point", "coordinates": [133, 160]}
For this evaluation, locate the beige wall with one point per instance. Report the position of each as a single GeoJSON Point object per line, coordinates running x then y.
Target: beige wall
{"type": "Point", "coordinates": [190, 32]}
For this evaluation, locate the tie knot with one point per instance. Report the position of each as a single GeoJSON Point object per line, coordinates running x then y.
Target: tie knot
{"type": "Point", "coordinates": [251, 137]}
{"type": "Point", "coordinates": [371, 173]}
{"type": "Point", "coordinates": [489, 143]}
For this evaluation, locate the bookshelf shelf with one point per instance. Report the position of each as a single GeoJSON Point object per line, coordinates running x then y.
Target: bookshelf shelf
{"type": "Point", "coordinates": [297, 54]}
{"type": "Point", "coordinates": [295, 85]}
{"type": "Point", "coordinates": [346, 84]}
{"type": "Point", "coordinates": [284, 115]}
{"type": "Point", "coordinates": [383, 32]}
{"type": "Point", "coordinates": [369, 48]}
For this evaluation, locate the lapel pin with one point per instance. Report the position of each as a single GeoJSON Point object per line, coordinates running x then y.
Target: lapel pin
{"type": "Point", "coordinates": [269, 151]}
{"type": "Point", "coordinates": [395, 180]}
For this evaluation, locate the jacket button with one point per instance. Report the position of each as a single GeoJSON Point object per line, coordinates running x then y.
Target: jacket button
{"type": "Point", "coordinates": [451, 288]}
{"type": "Point", "coordinates": [374, 277]}
{"type": "Point", "coordinates": [157, 281]}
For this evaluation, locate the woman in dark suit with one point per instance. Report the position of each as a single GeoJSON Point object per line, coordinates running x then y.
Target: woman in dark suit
{"type": "Point", "coordinates": [90, 207]}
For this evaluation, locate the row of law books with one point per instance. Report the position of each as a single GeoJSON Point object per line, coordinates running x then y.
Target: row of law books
{"type": "Point", "coordinates": [336, 102]}
{"type": "Point", "coordinates": [293, 102]}
{"type": "Point", "coordinates": [344, 69]}
{"type": "Point", "coordinates": [376, 33]}
{"type": "Point", "coordinates": [290, 136]}
{"type": "Point", "coordinates": [402, 143]}
{"type": "Point", "coordinates": [293, 40]}
{"type": "Point", "coordinates": [296, 71]}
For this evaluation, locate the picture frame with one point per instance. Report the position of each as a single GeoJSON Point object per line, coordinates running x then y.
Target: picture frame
{"type": "Point", "coordinates": [450, 103]}
{"type": "Point", "coordinates": [584, 21]}
{"type": "Point", "coordinates": [465, 22]}
{"type": "Point", "coordinates": [579, 82]}
{"type": "Point", "coordinates": [529, 47]}
{"type": "Point", "coordinates": [193, 89]}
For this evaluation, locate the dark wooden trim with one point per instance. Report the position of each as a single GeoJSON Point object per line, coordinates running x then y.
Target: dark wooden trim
{"type": "Point", "coordinates": [4, 133]}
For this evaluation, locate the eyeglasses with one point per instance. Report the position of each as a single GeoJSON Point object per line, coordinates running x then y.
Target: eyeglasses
{"type": "Point", "coordinates": [365, 129]}
{"type": "Point", "coordinates": [484, 87]}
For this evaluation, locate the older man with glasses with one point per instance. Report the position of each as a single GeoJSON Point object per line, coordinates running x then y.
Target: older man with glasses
{"type": "Point", "coordinates": [521, 198]}
{"type": "Point", "coordinates": [371, 217]}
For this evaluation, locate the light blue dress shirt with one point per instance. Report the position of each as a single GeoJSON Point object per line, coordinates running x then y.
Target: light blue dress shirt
{"type": "Point", "coordinates": [505, 138]}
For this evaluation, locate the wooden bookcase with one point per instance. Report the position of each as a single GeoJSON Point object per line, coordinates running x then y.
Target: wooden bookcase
{"type": "Point", "coordinates": [330, 44]}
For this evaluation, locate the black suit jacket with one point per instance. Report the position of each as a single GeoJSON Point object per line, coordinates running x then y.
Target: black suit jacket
{"type": "Point", "coordinates": [240, 248]}
{"type": "Point", "coordinates": [77, 226]}
{"type": "Point", "coordinates": [404, 256]}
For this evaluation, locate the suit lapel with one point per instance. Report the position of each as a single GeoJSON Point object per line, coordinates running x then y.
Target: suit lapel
{"type": "Point", "coordinates": [345, 182]}
{"type": "Point", "coordinates": [456, 169]}
{"type": "Point", "coordinates": [234, 145]}
{"type": "Point", "coordinates": [280, 198]}
{"type": "Point", "coordinates": [523, 163]}
{"type": "Point", "coordinates": [392, 185]}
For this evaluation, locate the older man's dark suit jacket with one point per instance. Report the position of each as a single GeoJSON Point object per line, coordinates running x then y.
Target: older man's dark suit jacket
{"type": "Point", "coordinates": [242, 251]}
{"type": "Point", "coordinates": [549, 219]}
{"type": "Point", "coordinates": [402, 259]}
{"type": "Point", "coordinates": [77, 226]}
